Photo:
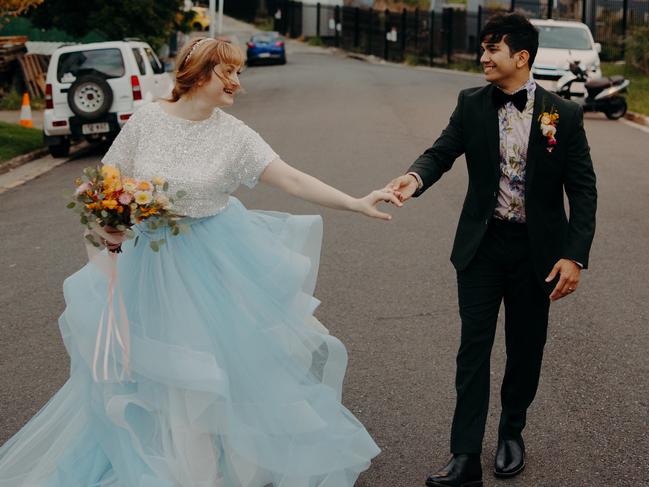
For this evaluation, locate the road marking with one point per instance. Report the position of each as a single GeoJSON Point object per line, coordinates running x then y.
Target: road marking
{"type": "Point", "coordinates": [635, 125]}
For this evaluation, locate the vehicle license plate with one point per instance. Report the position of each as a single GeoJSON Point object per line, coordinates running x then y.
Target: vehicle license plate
{"type": "Point", "coordinates": [95, 128]}
{"type": "Point", "coordinates": [264, 54]}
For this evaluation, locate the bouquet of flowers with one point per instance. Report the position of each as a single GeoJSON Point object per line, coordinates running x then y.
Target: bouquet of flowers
{"type": "Point", "coordinates": [107, 201]}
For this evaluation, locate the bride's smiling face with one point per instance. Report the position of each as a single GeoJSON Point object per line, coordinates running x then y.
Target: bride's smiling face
{"type": "Point", "coordinates": [223, 85]}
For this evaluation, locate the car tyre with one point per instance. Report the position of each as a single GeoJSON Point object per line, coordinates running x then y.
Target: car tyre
{"type": "Point", "coordinates": [60, 150]}
{"type": "Point", "coordinates": [90, 96]}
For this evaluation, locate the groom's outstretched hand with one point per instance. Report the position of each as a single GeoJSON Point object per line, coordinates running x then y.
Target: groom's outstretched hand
{"type": "Point", "coordinates": [568, 281]}
{"type": "Point", "coordinates": [403, 186]}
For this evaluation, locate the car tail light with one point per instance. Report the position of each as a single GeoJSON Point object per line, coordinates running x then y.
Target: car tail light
{"type": "Point", "coordinates": [125, 116]}
{"type": "Point", "coordinates": [251, 44]}
{"type": "Point", "coordinates": [60, 123]}
{"type": "Point", "coordinates": [279, 43]}
{"type": "Point", "coordinates": [137, 91]}
{"type": "Point", "coordinates": [49, 102]}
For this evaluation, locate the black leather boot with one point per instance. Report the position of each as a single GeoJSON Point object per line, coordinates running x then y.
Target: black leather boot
{"type": "Point", "coordinates": [463, 470]}
{"type": "Point", "coordinates": [510, 457]}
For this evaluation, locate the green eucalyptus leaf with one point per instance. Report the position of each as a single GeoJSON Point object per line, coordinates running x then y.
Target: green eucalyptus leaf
{"type": "Point", "coordinates": [181, 194]}
{"type": "Point", "coordinates": [154, 246]}
{"type": "Point", "coordinates": [165, 186]}
{"type": "Point", "coordinates": [137, 238]}
{"type": "Point", "coordinates": [71, 204]}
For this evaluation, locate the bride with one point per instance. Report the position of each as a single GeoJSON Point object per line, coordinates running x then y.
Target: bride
{"type": "Point", "coordinates": [234, 383]}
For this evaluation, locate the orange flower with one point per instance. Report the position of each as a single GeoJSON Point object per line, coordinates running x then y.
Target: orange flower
{"type": "Point", "coordinates": [109, 204]}
{"type": "Point", "coordinates": [144, 186]}
{"type": "Point", "coordinates": [145, 212]}
{"type": "Point", "coordinates": [92, 206]}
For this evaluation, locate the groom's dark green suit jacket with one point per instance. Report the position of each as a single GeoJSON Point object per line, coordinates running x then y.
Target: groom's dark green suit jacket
{"type": "Point", "coordinates": [473, 131]}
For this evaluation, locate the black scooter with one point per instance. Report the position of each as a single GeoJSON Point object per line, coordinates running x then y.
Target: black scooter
{"type": "Point", "coordinates": [603, 95]}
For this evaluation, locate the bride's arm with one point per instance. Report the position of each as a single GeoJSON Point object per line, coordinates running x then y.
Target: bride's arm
{"type": "Point", "coordinates": [306, 187]}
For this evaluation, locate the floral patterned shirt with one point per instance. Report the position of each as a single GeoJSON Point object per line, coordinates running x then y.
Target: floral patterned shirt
{"type": "Point", "coordinates": [514, 129]}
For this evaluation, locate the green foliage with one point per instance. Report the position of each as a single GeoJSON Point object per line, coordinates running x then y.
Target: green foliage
{"type": "Point", "coordinates": [315, 41]}
{"type": "Point", "coordinates": [13, 100]}
{"type": "Point", "coordinates": [16, 140]}
{"type": "Point", "coordinates": [151, 20]}
{"type": "Point", "coordinates": [638, 96]}
{"type": "Point", "coordinates": [637, 48]}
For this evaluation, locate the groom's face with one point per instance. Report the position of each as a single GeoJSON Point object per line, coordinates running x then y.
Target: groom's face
{"type": "Point", "coordinates": [497, 60]}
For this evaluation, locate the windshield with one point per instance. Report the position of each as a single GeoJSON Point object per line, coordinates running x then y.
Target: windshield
{"type": "Point", "coordinates": [564, 38]}
{"type": "Point", "coordinates": [264, 38]}
{"type": "Point", "coordinates": [105, 62]}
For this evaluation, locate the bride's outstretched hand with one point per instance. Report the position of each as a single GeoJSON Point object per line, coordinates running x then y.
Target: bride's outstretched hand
{"type": "Point", "coordinates": [367, 205]}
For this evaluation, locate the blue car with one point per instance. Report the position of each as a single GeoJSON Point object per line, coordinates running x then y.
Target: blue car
{"type": "Point", "coordinates": [266, 47]}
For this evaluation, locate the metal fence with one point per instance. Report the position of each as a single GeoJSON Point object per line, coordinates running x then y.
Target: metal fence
{"type": "Point", "coordinates": [450, 35]}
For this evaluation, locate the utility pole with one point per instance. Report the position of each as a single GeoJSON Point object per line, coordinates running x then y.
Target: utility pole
{"type": "Point", "coordinates": [220, 29]}
{"type": "Point", "coordinates": [212, 18]}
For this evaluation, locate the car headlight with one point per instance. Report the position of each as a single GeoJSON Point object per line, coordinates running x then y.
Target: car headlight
{"type": "Point", "coordinates": [594, 67]}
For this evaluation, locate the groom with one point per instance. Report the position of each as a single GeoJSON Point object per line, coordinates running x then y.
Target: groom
{"type": "Point", "coordinates": [524, 147]}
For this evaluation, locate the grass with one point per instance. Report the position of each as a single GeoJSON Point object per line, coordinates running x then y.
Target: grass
{"type": "Point", "coordinates": [638, 96]}
{"type": "Point", "coordinates": [16, 140]}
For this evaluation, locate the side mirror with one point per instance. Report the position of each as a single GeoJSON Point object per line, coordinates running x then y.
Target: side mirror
{"type": "Point", "coordinates": [598, 47]}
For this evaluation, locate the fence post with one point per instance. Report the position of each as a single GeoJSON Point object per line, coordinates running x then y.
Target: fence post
{"type": "Point", "coordinates": [550, 8]}
{"type": "Point", "coordinates": [317, 20]}
{"type": "Point", "coordinates": [583, 11]}
{"type": "Point", "coordinates": [370, 32]}
{"type": "Point", "coordinates": [404, 33]}
{"type": "Point", "coordinates": [625, 16]}
{"type": "Point", "coordinates": [336, 22]}
{"type": "Point", "coordinates": [512, 5]}
{"type": "Point", "coordinates": [417, 30]}
{"type": "Point", "coordinates": [477, 35]}
{"type": "Point", "coordinates": [357, 33]}
{"type": "Point", "coordinates": [447, 18]}
{"type": "Point", "coordinates": [431, 38]}
{"type": "Point", "coordinates": [386, 47]}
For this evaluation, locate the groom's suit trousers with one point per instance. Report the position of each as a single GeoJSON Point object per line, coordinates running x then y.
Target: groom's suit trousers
{"type": "Point", "coordinates": [502, 270]}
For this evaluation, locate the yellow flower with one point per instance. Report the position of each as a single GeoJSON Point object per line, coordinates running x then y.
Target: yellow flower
{"type": "Point", "coordinates": [111, 185]}
{"type": "Point", "coordinates": [158, 181]}
{"type": "Point", "coordinates": [545, 119]}
{"type": "Point", "coordinates": [78, 181]}
{"type": "Point", "coordinates": [143, 197]}
{"type": "Point", "coordinates": [109, 204]}
{"type": "Point", "coordinates": [144, 186]}
{"type": "Point", "coordinates": [109, 172]}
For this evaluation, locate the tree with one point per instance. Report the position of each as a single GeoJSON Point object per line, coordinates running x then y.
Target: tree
{"type": "Point", "coordinates": [14, 8]}
{"type": "Point", "coordinates": [151, 20]}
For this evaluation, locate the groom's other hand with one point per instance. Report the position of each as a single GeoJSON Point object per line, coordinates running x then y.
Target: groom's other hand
{"type": "Point", "coordinates": [403, 186]}
{"type": "Point", "coordinates": [569, 280]}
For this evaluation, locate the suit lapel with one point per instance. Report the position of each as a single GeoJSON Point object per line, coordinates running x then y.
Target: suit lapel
{"type": "Point", "coordinates": [535, 142]}
{"type": "Point", "coordinates": [492, 131]}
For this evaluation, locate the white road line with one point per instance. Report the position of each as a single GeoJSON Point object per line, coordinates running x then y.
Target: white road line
{"type": "Point", "coordinates": [635, 125]}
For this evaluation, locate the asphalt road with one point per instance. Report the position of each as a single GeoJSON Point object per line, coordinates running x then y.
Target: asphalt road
{"type": "Point", "coordinates": [388, 289]}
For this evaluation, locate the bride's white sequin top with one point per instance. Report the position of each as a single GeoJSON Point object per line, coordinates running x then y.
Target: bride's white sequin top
{"type": "Point", "coordinates": [208, 159]}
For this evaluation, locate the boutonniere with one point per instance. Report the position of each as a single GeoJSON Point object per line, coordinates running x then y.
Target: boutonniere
{"type": "Point", "coordinates": [549, 121]}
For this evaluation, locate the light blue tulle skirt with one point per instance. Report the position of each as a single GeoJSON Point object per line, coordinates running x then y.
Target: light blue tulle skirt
{"type": "Point", "coordinates": [234, 382]}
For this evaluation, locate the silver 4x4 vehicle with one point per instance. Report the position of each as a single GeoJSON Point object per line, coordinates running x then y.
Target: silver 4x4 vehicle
{"type": "Point", "coordinates": [92, 90]}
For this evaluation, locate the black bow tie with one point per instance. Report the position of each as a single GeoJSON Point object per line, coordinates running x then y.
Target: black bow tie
{"type": "Point", "coordinates": [519, 99]}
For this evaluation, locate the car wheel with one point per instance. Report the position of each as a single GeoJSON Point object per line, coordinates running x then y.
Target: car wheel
{"type": "Point", "coordinates": [282, 60]}
{"type": "Point", "coordinates": [90, 97]}
{"type": "Point", "coordinates": [60, 150]}
{"type": "Point", "coordinates": [616, 108]}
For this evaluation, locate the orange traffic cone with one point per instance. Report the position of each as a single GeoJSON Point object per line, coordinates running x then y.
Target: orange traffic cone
{"type": "Point", "coordinates": [26, 112]}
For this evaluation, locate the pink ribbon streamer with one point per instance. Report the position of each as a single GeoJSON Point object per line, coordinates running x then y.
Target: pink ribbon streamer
{"type": "Point", "coordinates": [113, 327]}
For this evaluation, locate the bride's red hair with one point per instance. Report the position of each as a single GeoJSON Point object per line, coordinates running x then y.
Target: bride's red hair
{"type": "Point", "coordinates": [196, 61]}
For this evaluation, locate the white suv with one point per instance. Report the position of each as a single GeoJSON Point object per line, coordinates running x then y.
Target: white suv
{"type": "Point", "coordinates": [560, 43]}
{"type": "Point", "coordinates": [92, 90]}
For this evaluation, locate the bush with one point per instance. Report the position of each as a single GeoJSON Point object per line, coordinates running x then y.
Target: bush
{"type": "Point", "coordinates": [637, 48]}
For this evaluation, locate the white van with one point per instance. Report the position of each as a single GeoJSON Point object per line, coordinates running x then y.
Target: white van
{"type": "Point", "coordinates": [560, 43]}
{"type": "Point", "coordinates": [92, 90]}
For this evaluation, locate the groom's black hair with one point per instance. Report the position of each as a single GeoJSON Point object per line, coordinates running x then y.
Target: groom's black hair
{"type": "Point", "coordinates": [516, 31]}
